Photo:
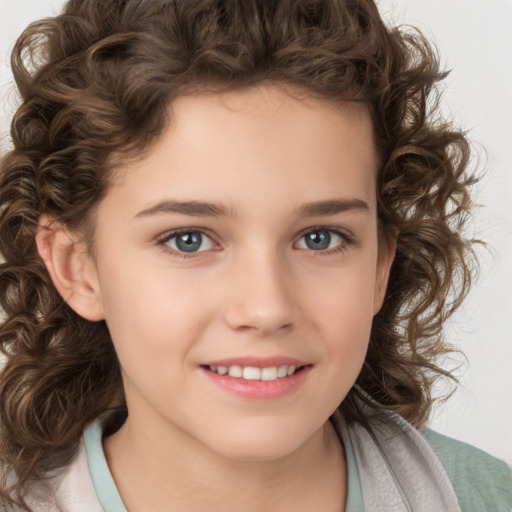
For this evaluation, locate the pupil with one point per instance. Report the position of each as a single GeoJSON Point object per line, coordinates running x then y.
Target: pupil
{"type": "Point", "coordinates": [189, 242]}
{"type": "Point", "coordinates": [318, 240]}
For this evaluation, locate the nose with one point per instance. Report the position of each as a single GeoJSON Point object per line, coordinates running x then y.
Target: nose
{"type": "Point", "coordinates": [261, 297]}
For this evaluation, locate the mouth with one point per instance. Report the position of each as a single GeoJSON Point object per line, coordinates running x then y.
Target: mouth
{"type": "Point", "coordinates": [258, 378]}
{"type": "Point", "coordinates": [268, 373]}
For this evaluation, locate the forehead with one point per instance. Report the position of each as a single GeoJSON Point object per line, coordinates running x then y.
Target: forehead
{"type": "Point", "coordinates": [287, 110]}
{"type": "Point", "coordinates": [259, 141]}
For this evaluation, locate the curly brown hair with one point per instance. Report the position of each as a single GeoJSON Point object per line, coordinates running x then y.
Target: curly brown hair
{"type": "Point", "coordinates": [95, 84]}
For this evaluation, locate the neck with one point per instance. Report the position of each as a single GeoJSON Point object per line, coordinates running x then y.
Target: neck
{"type": "Point", "coordinates": [156, 470]}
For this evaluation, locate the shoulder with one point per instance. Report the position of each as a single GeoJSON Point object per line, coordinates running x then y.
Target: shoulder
{"type": "Point", "coordinates": [482, 483]}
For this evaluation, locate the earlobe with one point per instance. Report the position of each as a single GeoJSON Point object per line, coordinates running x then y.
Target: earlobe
{"type": "Point", "coordinates": [387, 251]}
{"type": "Point", "coordinates": [71, 268]}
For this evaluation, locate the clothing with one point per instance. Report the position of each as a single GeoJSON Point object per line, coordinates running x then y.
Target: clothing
{"type": "Point", "coordinates": [396, 468]}
{"type": "Point", "coordinates": [391, 468]}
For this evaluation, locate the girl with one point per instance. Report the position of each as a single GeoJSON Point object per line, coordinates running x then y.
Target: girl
{"type": "Point", "coordinates": [232, 235]}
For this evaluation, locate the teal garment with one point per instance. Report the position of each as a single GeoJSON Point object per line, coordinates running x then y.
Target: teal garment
{"type": "Point", "coordinates": [481, 482]}
{"type": "Point", "coordinates": [104, 485]}
{"type": "Point", "coordinates": [354, 501]}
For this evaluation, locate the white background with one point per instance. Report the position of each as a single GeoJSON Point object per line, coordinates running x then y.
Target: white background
{"type": "Point", "coordinates": [475, 40]}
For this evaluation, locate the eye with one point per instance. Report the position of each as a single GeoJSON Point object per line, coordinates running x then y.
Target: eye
{"type": "Point", "coordinates": [322, 240]}
{"type": "Point", "coordinates": [190, 241]}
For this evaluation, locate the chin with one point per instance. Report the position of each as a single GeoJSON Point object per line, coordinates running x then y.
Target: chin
{"type": "Point", "coordinates": [260, 445]}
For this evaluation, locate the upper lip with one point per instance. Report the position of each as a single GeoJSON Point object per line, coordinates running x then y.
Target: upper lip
{"type": "Point", "coordinates": [257, 361]}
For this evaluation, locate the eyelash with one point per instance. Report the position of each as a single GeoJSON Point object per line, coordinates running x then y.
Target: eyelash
{"type": "Point", "coordinates": [165, 239]}
{"type": "Point", "coordinates": [347, 239]}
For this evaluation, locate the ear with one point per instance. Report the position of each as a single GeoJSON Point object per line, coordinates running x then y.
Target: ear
{"type": "Point", "coordinates": [386, 256]}
{"type": "Point", "coordinates": [71, 268]}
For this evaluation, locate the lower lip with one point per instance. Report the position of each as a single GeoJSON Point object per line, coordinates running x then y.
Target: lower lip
{"type": "Point", "coordinates": [259, 389]}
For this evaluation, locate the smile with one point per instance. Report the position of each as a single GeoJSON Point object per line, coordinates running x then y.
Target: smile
{"type": "Point", "coordinates": [258, 378]}
{"type": "Point", "coordinates": [254, 373]}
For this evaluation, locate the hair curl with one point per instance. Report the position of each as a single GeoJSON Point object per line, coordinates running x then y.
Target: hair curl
{"type": "Point", "coordinates": [95, 83]}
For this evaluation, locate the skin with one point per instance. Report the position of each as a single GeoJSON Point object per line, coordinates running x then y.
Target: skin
{"type": "Point", "coordinates": [255, 288]}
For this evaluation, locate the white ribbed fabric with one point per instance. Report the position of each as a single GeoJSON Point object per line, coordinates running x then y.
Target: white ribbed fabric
{"type": "Point", "coordinates": [398, 470]}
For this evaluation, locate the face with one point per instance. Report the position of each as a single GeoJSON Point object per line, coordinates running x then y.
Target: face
{"type": "Point", "coordinates": [238, 269]}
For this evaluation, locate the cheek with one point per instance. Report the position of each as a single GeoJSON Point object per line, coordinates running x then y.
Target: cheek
{"type": "Point", "coordinates": [346, 294]}
{"type": "Point", "coordinates": [153, 313]}
{"type": "Point", "coordinates": [341, 309]}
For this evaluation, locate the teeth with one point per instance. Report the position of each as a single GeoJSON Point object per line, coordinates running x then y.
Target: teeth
{"type": "Point", "coordinates": [282, 371]}
{"type": "Point", "coordinates": [235, 371]}
{"type": "Point", "coordinates": [253, 373]}
{"type": "Point", "coordinates": [269, 373]}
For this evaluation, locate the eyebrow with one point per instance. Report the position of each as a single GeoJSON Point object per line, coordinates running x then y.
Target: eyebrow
{"type": "Point", "coordinates": [191, 208]}
{"type": "Point", "coordinates": [333, 207]}
{"type": "Point", "coordinates": [205, 209]}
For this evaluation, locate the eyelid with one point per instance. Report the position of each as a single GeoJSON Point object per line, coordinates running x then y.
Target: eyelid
{"type": "Point", "coordinates": [165, 237]}
{"type": "Point", "coordinates": [163, 240]}
{"type": "Point", "coordinates": [347, 237]}
{"type": "Point", "coordinates": [345, 233]}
